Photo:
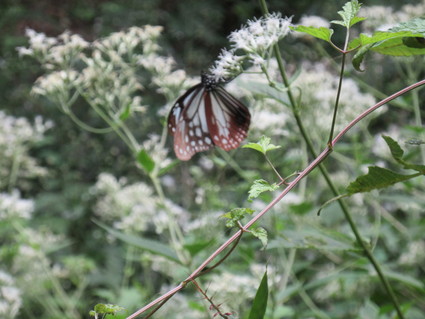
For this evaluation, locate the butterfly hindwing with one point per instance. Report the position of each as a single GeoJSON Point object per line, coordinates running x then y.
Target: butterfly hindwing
{"type": "Point", "coordinates": [207, 115]}
{"type": "Point", "coordinates": [230, 123]}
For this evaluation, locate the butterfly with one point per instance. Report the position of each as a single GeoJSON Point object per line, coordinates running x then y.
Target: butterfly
{"type": "Point", "coordinates": [205, 116]}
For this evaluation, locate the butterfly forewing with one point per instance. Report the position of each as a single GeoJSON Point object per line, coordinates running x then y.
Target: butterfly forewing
{"type": "Point", "coordinates": [206, 115]}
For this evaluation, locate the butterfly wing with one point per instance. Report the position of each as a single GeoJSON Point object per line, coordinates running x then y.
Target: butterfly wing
{"type": "Point", "coordinates": [187, 123]}
{"type": "Point", "coordinates": [207, 116]}
{"type": "Point", "coordinates": [229, 120]}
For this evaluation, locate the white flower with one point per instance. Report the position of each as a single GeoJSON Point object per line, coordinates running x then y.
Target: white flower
{"type": "Point", "coordinates": [16, 137]}
{"type": "Point", "coordinates": [259, 35]}
{"type": "Point", "coordinates": [227, 65]}
{"type": "Point", "coordinates": [55, 83]}
{"type": "Point", "coordinates": [12, 206]}
{"type": "Point", "coordinates": [254, 40]}
{"type": "Point", "coordinates": [10, 296]}
{"type": "Point", "coordinates": [130, 207]}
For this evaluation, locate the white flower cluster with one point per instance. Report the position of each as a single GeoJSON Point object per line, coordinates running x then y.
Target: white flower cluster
{"type": "Point", "coordinates": [242, 287]}
{"type": "Point", "coordinates": [124, 43]}
{"type": "Point", "coordinates": [10, 296]}
{"type": "Point", "coordinates": [103, 72]}
{"type": "Point", "coordinates": [254, 41]}
{"type": "Point", "coordinates": [132, 207]}
{"type": "Point", "coordinates": [31, 261]}
{"type": "Point", "coordinates": [17, 135]}
{"type": "Point", "coordinates": [382, 18]}
{"type": "Point", "coordinates": [13, 206]}
{"type": "Point", "coordinates": [54, 52]}
{"type": "Point", "coordinates": [156, 151]}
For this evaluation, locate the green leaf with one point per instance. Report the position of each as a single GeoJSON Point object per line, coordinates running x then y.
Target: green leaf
{"type": "Point", "coordinates": [235, 215]}
{"type": "Point", "coordinates": [261, 234]}
{"type": "Point", "coordinates": [349, 14]}
{"type": "Point", "coordinates": [416, 25]}
{"type": "Point", "coordinates": [262, 146]}
{"type": "Point", "coordinates": [395, 149]}
{"type": "Point", "coordinates": [405, 39]}
{"type": "Point", "coordinates": [144, 159]}
{"type": "Point", "coordinates": [261, 186]}
{"type": "Point", "coordinates": [397, 154]}
{"type": "Point", "coordinates": [359, 56]}
{"type": "Point", "coordinates": [320, 33]}
{"type": "Point", "coordinates": [101, 309]}
{"type": "Point", "coordinates": [259, 305]}
{"type": "Point", "coordinates": [126, 113]}
{"type": "Point", "coordinates": [153, 246]}
{"type": "Point", "coordinates": [376, 178]}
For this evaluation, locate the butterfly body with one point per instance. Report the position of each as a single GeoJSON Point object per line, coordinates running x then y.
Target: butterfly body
{"type": "Point", "coordinates": [205, 116]}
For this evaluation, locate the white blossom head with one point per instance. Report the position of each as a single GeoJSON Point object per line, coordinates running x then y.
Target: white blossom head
{"type": "Point", "coordinates": [251, 43]}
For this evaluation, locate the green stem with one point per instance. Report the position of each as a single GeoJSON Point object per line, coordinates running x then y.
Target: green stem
{"type": "Point", "coordinates": [338, 94]}
{"type": "Point", "coordinates": [14, 170]}
{"type": "Point", "coordinates": [325, 174]}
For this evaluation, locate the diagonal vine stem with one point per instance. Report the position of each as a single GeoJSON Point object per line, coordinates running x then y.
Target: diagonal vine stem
{"type": "Point", "coordinates": [315, 163]}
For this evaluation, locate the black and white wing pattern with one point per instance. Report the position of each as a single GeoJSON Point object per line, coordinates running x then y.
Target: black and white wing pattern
{"type": "Point", "coordinates": [207, 115]}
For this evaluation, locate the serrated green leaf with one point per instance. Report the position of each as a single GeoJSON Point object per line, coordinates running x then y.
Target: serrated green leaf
{"type": "Point", "coordinates": [261, 234]}
{"type": "Point", "coordinates": [359, 57]}
{"type": "Point", "coordinates": [235, 215]}
{"type": "Point", "coordinates": [395, 149]}
{"type": "Point", "coordinates": [320, 33]}
{"type": "Point", "coordinates": [260, 186]}
{"type": "Point", "coordinates": [356, 20]}
{"type": "Point", "coordinates": [101, 308]}
{"type": "Point", "coordinates": [349, 14]}
{"type": "Point", "coordinates": [254, 146]}
{"type": "Point", "coordinates": [388, 43]}
{"type": "Point", "coordinates": [376, 178]}
{"type": "Point", "coordinates": [144, 159]}
{"type": "Point", "coordinates": [416, 25]}
{"type": "Point", "coordinates": [153, 246]}
{"type": "Point", "coordinates": [405, 39]}
{"type": "Point", "coordinates": [397, 47]}
{"type": "Point", "coordinates": [259, 305]}
{"type": "Point", "coordinates": [383, 36]}
{"type": "Point", "coordinates": [262, 146]}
